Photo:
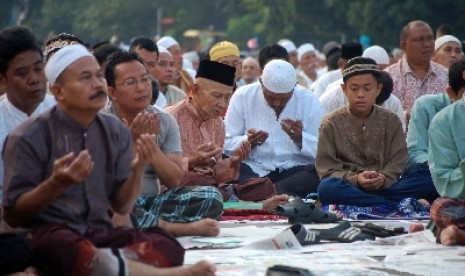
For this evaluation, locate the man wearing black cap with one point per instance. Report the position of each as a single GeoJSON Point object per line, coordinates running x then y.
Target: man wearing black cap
{"type": "Point", "coordinates": [348, 51]}
{"type": "Point", "coordinates": [202, 129]}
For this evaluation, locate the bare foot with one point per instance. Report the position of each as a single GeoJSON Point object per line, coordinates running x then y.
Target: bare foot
{"type": "Point", "coordinates": [201, 268]}
{"type": "Point", "coordinates": [423, 202]}
{"type": "Point", "coordinates": [29, 271]}
{"type": "Point", "coordinates": [452, 235]}
{"type": "Point", "coordinates": [275, 201]}
{"type": "Point", "coordinates": [417, 227]}
{"type": "Point", "coordinates": [206, 227]}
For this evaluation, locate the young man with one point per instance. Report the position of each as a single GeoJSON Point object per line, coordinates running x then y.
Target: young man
{"type": "Point", "coordinates": [22, 75]}
{"type": "Point", "coordinates": [446, 157]}
{"type": "Point", "coordinates": [129, 89]}
{"type": "Point", "coordinates": [361, 148]}
{"type": "Point", "coordinates": [227, 53]}
{"type": "Point", "coordinates": [69, 168]}
{"type": "Point", "coordinates": [280, 119]}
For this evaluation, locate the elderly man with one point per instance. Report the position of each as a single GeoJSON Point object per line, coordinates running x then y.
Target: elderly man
{"type": "Point", "coordinates": [415, 74]}
{"type": "Point", "coordinates": [308, 63]}
{"type": "Point", "coordinates": [69, 168]}
{"type": "Point", "coordinates": [361, 147]}
{"type": "Point", "coordinates": [447, 50]}
{"type": "Point", "coordinates": [250, 71]}
{"type": "Point", "coordinates": [280, 120]}
{"type": "Point", "coordinates": [446, 155]}
{"type": "Point", "coordinates": [182, 79]}
{"type": "Point", "coordinates": [22, 75]}
{"type": "Point", "coordinates": [129, 90]}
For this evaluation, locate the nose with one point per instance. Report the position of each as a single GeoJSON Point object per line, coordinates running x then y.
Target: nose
{"type": "Point", "coordinates": [35, 77]}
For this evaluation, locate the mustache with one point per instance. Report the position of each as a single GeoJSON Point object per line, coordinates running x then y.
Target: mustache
{"type": "Point", "coordinates": [99, 93]}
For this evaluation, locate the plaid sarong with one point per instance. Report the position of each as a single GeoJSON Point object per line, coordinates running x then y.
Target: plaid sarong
{"type": "Point", "coordinates": [448, 211]}
{"type": "Point", "coordinates": [185, 204]}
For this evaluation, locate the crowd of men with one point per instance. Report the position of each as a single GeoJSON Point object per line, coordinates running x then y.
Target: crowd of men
{"type": "Point", "coordinates": [109, 154]}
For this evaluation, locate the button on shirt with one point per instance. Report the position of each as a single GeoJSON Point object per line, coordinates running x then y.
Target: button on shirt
{"type": "Point", "coordinates": [248, 109]}
{"type": "Point", "coordinates": [10, 117]}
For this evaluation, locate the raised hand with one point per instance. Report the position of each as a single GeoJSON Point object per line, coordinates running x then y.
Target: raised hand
{"type": "Point", "coordinates": [293, 128]}
{"type": "Point", "coordinates": [144, 123]}
{"type": "Point", "coordinates": [70, 170]}
{"type": "Point", "coordinates": [204, 155]}
{"type": "Point", "coordinates": [145, 148]}
{"type": "Point", "coordinates": [256, 137]}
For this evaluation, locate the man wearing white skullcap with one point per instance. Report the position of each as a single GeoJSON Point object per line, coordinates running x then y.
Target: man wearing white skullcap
{"type": "Point", "coordinates": [308, 63]}
{"type": "Point", "coordinates": [182, 78]}
{"type": "Point", "coordinates": [73, 166]}
{"type": "Point", "coordinates": [280, 119]}
{"type": "Point", "coordinates": [294, 60]}
{"type": "Point", "coordinates": [447, 50]}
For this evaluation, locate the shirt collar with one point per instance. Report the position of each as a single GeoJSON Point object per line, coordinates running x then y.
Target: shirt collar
{"type": "Point", "coordinates": [405, 68]}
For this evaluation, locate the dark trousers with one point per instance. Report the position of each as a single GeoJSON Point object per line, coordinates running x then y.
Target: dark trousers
{"type": "Point", "coordinates": [298, 181]}
{"type": "Point", "coordinates": [14, 253]}
{"type": "Point", "coordinates": [416, 183]}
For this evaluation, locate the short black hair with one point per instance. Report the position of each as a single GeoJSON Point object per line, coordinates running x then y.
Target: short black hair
{"type": "Point", "coordinates": [386, 91]}
{"type": "Point", "coordinates": [117, 58]}
{"type": "Point", "coordinates": [104, 51]}
{"type": "Point", "coordinates": [445, 29]}
{"type": "Point", "coordinates": [144, 43]}
{"type": "Point", "coordinates": [271, 51]}
{"type": "Point", "coordinates": [14, 41]}
{"type": "Point", "coordinates": [456, 81]}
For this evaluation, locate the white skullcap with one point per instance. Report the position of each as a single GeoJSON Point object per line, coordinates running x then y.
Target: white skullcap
{"type": "Point", "coordinates": [167, 42]}
{"type": "Point", "coordinates": [279, 76]}
{"type": "Point", "coordinates": [305, 48]}
{"type": "Point", "coordinates": [444, 39]}
{"type": "Point", "coordinates": [163, 50]}
{"type": "Point", "coordinates": [62, 59]}
{"type": "Point", "coordinates": [187, 64]}
{"type": "Point", "coordinates": [378, 54]}
{"type": "Point", "coordinates": [191, 56]}
{"type": "Point", "coordinates": [288, 45]}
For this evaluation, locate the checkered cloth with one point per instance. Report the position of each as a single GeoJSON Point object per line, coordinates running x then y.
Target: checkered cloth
{"type": "Point", "coordinates": [185, 204]}
{"type": "Point", "coordinates": [448, 211]}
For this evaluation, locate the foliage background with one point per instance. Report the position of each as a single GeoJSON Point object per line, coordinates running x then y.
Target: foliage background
{"type": "Point", "coordinates": [316, 21]}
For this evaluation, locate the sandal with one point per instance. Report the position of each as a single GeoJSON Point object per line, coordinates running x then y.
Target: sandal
{"type": "Point", "coordinates": [298, 211]}
{"type": "Point", "coordinates": [305, 236]}
{"type": "Point", "coordinates": [344, 232]}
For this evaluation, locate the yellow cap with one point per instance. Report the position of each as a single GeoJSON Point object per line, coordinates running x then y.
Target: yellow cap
{"type": "Point", "coordinates": [223, 49]}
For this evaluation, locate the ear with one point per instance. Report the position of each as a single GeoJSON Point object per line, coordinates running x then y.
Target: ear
{"type": "Point", "coordinates": [380, 87]}
{"type": "Point", "coordinates": [194, 89]}
{"type": "Point", "coordinates": [403, 45]}
{"type": "Point", "coordinates": [343, 87]}
{"type": "Point", "coordinates": [2, 83]}
{"type": "Point", "coordinates": [111, 93]}
{"type": "Point", "coordinates": [451, 93]}
{"type": "Point", "coordinates": [57, 91]}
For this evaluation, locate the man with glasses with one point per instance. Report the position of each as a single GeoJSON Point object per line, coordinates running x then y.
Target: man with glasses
{"type": "Point", "coordinates": [129, 87]}
{"type": "Point", "coordinates": [280, 120]}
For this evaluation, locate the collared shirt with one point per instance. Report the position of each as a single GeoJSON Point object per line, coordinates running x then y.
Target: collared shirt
{"type": "Point", "coordinates": [194, 130]}
{"type": "Point", "coordinates": [334, 98]}
{"type": "Point", "coordinates": [168, 140]}
{"type": "Point", "coordinates": [423, 111]}
{"type": "Point", "coordinates": [408, 88]}
{"type": "Point", "coordinates": [249, 109]}
{"type": "Point", "coordinates": [10, 117]}
{"type": "Point", "coordinates": [446, 155]}
{"type": "Point", "coordinates": [349, 145]}
{"type": "Point", "coordinates": [32, 148]}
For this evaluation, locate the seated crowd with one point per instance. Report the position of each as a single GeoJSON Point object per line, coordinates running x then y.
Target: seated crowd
{"type": "Point", "coordinates": [108, 155]}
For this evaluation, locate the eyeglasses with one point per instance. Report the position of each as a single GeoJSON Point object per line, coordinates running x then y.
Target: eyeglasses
{"type": "Point", "coordinates": [132, 82]}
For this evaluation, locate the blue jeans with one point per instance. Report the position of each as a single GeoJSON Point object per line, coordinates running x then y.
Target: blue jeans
{"type": "Point", "coordinates": [416, 183]}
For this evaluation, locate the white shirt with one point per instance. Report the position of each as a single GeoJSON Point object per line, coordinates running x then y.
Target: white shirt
{"type": "Point", "coordinates": [248, 109]}
{"type": "Point", "coordinates": [10, 117]}
{"type": "Point", "coordinates": [161, 101]}
{"type": "Point", "coordinates": [309, 80]}
{"type": "Point", "coordinates": [334, 98]}
{"type": "Point", "coordinates": [319, 86]}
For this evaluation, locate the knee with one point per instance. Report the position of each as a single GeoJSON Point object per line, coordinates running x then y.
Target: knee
{"type": "Point", "coordinates": [328, 188]}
